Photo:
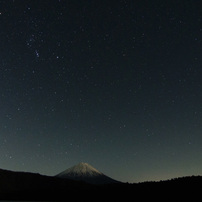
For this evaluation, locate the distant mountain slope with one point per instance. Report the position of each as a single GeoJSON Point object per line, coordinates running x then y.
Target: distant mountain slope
{"type": "Point", "coordinates": [87, 173]}
{"type": "Point", "coordinates": [24, 186]}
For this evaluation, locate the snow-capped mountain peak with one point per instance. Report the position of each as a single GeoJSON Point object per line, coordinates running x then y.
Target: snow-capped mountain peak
{"type": "Point", "coordinates": [81, 169]}
{"type": "Point", "coordinates": [87, 173]}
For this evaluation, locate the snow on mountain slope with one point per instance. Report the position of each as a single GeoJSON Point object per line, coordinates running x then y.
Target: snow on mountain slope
{"type": "Point", "coordinates": [81, 169]}
{"type": "Point", "coordinates": [87, 173]}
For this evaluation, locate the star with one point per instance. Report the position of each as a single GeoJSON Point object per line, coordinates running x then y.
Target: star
{"type": "Point", "coordinates": [37, 53]}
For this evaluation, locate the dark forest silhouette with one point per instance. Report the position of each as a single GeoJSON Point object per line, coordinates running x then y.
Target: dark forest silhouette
{"type": "Point", "coordinates": [30, 186]}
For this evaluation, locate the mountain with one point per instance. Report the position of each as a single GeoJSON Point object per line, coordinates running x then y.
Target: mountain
{"type": "Point", "coordinates": [33, 186]}
{"type": "Point", "coordinates": [23, 186]}
{"type": "Point", "coordinates": [87, 173]}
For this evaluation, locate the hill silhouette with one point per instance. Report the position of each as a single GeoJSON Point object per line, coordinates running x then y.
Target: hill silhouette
{"type": "Point", "coordinates": [31, 186]}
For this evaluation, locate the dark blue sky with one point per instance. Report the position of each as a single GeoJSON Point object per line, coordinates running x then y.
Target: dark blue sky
{"type": "Point", "coordinates": [116, 84]}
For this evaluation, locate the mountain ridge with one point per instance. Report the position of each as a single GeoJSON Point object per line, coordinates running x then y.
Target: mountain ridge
{"type": "Point", "coordinates": [36, 187]}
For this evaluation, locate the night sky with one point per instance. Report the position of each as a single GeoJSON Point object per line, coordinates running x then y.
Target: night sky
{"type": "Point", "coordinates": [114, 83]}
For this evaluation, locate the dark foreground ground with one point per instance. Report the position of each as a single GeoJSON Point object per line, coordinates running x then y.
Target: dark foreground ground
{"type": "Point", "coordinates": [35, 187]}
